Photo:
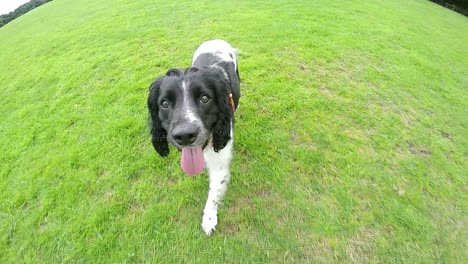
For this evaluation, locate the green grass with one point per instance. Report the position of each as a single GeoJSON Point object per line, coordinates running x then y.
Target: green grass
{"type": "Point", "coordinates": [350, 138]}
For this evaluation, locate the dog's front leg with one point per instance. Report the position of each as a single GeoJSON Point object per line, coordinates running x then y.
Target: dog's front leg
{"type": "Point", "coordinates": [218, 165]}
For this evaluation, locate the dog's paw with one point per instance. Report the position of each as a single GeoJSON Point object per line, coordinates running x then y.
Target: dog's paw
{"type": "Point", "coordinates": [209, 222]}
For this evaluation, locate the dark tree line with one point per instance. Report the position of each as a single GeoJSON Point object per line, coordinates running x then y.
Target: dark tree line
{"type": "Point", "coordinates": [23, 9]}
{"type": "Point", "coordinates": [460, 6]}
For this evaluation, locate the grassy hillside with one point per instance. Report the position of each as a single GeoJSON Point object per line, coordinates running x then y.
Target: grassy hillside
{"type": "Point", "coordinates": [350, 138]}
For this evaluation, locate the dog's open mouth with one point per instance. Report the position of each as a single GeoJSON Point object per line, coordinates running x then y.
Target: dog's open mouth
{"type": "Point", "coordinates": [192, 160]}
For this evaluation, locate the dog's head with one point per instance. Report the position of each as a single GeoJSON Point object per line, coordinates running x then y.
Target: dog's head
{"type": "Point", "coordinates": [189, 107]}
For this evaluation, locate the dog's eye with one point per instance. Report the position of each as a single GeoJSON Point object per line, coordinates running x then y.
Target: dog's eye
{"type": "Point", "coordinates": [204, 99]}
{"type": "Point", "coordinates": [165, 104]}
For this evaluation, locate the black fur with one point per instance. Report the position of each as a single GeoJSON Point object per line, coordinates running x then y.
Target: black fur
{"type": "Point", "coordinates": [222, 127]}
{"type": "Point", "coordinates": [159, 134]}
{"type": "Point", "coordinates": [234, 80]}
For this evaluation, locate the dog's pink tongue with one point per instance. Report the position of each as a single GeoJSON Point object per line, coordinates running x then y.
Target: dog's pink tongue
{"type": "Point", "coordinates": [192, 161]}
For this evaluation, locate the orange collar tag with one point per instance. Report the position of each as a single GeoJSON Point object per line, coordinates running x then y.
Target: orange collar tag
{"type": "Point", "coordinates": [231, 101]}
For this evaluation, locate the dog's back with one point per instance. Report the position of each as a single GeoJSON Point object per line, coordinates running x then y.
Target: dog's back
{"type": "Point", "coordinates": [214, 51]}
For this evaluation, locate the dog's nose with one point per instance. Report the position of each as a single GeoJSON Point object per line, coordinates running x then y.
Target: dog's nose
{"type": "Point", "coordinates": [185, 135]}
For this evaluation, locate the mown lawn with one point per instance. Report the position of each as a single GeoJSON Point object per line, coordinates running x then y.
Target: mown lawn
{"type": "Point", "coordinates": [350, 138]}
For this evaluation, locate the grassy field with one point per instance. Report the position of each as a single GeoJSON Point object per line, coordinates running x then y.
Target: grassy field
{"type": "Point", "coordinates": [351, 137]}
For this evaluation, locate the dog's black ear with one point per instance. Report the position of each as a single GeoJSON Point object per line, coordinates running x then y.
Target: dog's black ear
{"type": "Point", "coordinates": [222, 127]}
{"type": "Point", "coordinates": [159, 134]}
{"type": "Point", "coordinates": [234, 80]}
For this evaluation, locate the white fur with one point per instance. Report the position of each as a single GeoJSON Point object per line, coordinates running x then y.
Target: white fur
{"type": "Point", "coordinates": [186, 108]}
{"type": "Point", "coordinates": [218, 47]}
{"type": "Point", "coordinates": [218, 165]}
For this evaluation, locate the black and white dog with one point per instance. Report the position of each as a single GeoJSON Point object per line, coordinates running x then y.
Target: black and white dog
{"type": "Point", "coordinates": [193, 109]}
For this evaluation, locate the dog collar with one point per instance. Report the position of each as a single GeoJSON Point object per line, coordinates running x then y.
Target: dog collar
{"type": "Point", "coordinates": [231, 102]}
